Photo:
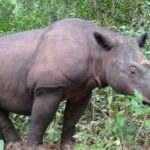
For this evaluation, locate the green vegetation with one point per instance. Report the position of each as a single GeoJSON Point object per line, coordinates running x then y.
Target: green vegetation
{"type": "Point", "coordinates": [111, 121]}
{"type": "Point", "coordinates": [1, 144]}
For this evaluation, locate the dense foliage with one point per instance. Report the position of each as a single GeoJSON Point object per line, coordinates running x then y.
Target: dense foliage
{"type": "Point", "coordinates": [112, 121]}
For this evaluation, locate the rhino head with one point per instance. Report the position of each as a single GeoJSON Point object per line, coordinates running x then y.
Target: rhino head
{"type": "Point", "coordinates": [123, 65]}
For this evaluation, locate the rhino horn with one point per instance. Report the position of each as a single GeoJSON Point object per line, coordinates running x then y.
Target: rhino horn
{"type": "Point", "coordinates": [146, 63]}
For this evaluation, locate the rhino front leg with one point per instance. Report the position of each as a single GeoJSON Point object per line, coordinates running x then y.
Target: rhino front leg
{"type": "Point", "coordinates": [72, 114]}
{"type": "Point", "coordinates": [8, 132]}
{"type": "Point", "coordinates": [43, 111]}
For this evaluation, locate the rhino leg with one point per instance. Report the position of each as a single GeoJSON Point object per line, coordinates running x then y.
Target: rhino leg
{"type": "Point", "coordinates": [43, 111]}
{"type": "Point", "coordinates": [72, 114]}
{"type": "Point", "coordinates": [7, 129]}
{"type": "Point", "coordinates": [1, 135]}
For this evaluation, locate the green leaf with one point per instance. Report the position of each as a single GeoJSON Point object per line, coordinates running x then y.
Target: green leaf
{"type": "Point", "coordinates": [138, 95]}
{"type": "Point", "coordinates": [1, 144]}
{"type": "Point", "coordinates": [121, 118]}
{"type": "Point", "coordinates": [134, 103]}
{"type": "Point", "coordinates": [147, 123]}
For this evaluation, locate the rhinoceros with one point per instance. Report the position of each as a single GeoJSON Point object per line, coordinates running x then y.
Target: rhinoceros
{"type": "Point", "coordinates": [65, 61]}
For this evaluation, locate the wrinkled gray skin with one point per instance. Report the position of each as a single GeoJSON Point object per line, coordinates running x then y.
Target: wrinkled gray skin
{"type": "Point", "coordinates": [40, 68]}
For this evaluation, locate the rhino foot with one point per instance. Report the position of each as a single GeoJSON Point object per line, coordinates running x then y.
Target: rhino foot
{"type": "Point", "coordinates": [14, 146]}
{"type": "Point", "coordinates": [39, 147]}
{"type": "Point", "coordinates": [67, 146]}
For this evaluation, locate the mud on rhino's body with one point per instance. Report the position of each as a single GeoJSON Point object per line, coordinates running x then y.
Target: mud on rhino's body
{"type": "Point", "coordinates": [40, 68]}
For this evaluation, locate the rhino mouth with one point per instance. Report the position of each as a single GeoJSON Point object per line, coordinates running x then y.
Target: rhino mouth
{"type": "Point", "coordinates": [146, 100]}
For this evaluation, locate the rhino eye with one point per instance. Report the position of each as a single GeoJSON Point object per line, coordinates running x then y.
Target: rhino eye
{"type": "Point", "coordinates": [133, 72]}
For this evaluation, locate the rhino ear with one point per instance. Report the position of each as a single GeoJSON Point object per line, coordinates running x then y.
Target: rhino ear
{"type": "Point", "coordinates": [102, 40]}
{"type": "Point", "coordinates": [142, 39]}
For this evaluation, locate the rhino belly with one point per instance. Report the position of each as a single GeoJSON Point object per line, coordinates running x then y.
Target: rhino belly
{"type": "Point", "coordinates": [16, 101]}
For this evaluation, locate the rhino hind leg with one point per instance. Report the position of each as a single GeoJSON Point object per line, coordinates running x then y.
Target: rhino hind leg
{"type": "Point", "coordinates": [43, 110]}
{"type": "Point", "coordinates": [72, 114]}
{"type": "Point", "coordinates": [7, 130]}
